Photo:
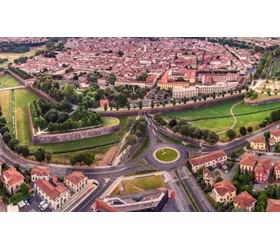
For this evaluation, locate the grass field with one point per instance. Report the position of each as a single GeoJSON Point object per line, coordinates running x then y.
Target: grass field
{"type": "Point", "coordinates": [22, 98]}
{"type": "Point", "coordinates": [12, 56]}
{"type": "Point", "coordinates": [275, 67]}
{"type": "Point", "coordinates": [246, 116]}
{"type": "Point", "coordinates": [141, 184]}
{"type": "Point", "coordinates": [6, 81]}
{"type": "Point", "coordinates": [5, 106]}
{"type": "Point", "coordinates": [166, 154]}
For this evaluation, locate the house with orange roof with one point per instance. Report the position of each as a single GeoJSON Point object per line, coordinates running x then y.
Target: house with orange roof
{"type": "Point", "coordinates": [224, 192]}
{"type": "Point", "coordinates": [258, 143]}
{"type": "Point", "coordinates": [274, 137]}
{"type": "Point", "coordinates": [277, 170]}
{"type": "Point", "coordinates": [273, 205]}
{"type": "Point", "coordinates": [54, 195]}
{"type": "Point", "coordinates": [214, 159]}
{"type": "Point", "coordinates": [263, 170]}
{"type": "Point", "coordinates": [247, 162]}
{"type": "Point", "coordinates": [244, 201]}
{"type": "Point", "coordinates": [76, 181]}
{"type": "Point", "coordinates": [39, 172]}
{"type": "Point", "coordinates": [12, 180]}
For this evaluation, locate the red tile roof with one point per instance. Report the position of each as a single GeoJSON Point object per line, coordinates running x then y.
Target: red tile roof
{"type": "Point", "coordinates": [275, 132]}
{"type": "Point", "coordinates": [244, 200]}
{"type": "Point", "coordinates": [40, 171]}
{"type": "Point", "coordinates": [13, 176]}
{"type": "Point", "coordinates": [276, 165]}
{"type": "Point", "coordinates": [248, 160]}
{"type": "Point", "coordinates": [273, 205]}
{"type": "Point", "coordinates": [207, 158]}
{"type": "Point", "coordinates": [223, 187]}
{"type": "Point", "coordinates": [259, 139]}
{"type": "Point", "coordinates": [263, 165]}
{"type": "Point", "coordinates": [52, 191]}
{"type": "Point", "coordinates": [75, 177]}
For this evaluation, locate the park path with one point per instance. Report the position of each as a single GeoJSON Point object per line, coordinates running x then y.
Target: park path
{"type": "Point", "coordinates": [232, 114]}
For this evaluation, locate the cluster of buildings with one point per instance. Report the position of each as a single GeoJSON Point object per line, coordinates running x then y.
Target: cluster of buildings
{"type": "Point", "coordinates": [24, 40]}
{"type": "Point", "coordinates": [193, 60]}
{"type": "Point", "coordinates": [260, 143]}
{"type": "Point", "coordinates": [258, 41]}
{"type": "Point", "coordinates": [48, 188]}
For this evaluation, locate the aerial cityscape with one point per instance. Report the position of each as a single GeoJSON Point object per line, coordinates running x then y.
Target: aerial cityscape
{"type": "Point", "coordinates": [146, 124]}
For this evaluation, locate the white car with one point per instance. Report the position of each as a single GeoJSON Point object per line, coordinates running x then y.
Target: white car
{"type": "Point", "coordinates": [44, 207]}
{"type": "Point", "coordinates": [42, 203]}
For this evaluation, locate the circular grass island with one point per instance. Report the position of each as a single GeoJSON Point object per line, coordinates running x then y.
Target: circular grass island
{"type": "Point", "coordinates": [166, 155]}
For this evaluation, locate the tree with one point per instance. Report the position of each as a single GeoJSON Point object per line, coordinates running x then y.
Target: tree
{"type": "Point", "coordinates": [24, 188]}
{"type": "Point", "coordinates": [266, 135]}
{"type": "Point", "coordinates": [140, 105]}
{"type": "Point", "coordinates": [111, 79]}
{"type": "Point", "coordinates": [105, 106]}
{"type": "Point", "coordinates": [152, 104]}
{"type": "Point", "coordinates": [231, 134]}
{"type": "Point", "coordinates": [25, 151]}
{"type": "Point", "coordinates": [233, 155]}
{"type": "Point", "coordinates": [131, 140]}
{"type": "Point", "coordinates": [48, 156]}
{"type": "Point", "coordinates": [6, 137]}
{"type": "Point", "coordinates": [88, 159]}
{"type": "Point", "coordinates": [69, 92]}
{"type": "Point", "coordinates": [172, 123]}
{"type": "Point", "coordinates": [174, 102]}
{"type": "Point", "coordinates": [250, 129]}
{"type": "Point", "coordinates": [40, 154]}
{"type": "Point", "coordinates": [243, 131]}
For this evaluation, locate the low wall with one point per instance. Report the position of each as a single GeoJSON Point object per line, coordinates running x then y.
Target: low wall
{"type": "Point", "coordinates": [198, 104]}
{"type": "Point", "coordinates": [76, 135]}
{"type": "Point", "coordinates": [261, 102]}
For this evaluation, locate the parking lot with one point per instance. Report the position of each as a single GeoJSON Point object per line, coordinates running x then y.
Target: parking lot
{"type": "Point", "coordinates": [33, 205]}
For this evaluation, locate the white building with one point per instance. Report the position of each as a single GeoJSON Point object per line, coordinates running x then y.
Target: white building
{"type": "Point", "coordinates": [76, 181]}
{"type": "Point", "coordinates": [38, 173]}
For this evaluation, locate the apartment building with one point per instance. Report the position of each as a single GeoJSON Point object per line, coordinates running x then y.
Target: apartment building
{"type": "Point", "coordinates": [76, 181]}
{"type": "Point", "coordinates": [39, 172]}
{"type": "Point", "coordinates": [244, 201]}
{"type": "Point", "coordinates": [12, 180]}
{"type": "Point", "coordinates": [263, 170]}
{"type": "Point", "coordinates": [224, 192]}
{"type": "Point", "coordinates": [258, 143]}
{"type": "Point", "coordinates": [247, 162]}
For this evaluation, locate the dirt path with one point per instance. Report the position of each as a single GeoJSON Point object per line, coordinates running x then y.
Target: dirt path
{"type": "Point", "coordinates": [232, 114]}
{"type": "Point", "coordinates": [103, 159]}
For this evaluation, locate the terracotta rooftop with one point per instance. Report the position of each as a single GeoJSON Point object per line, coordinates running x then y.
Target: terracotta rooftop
{"type": "Point", "coordinates": [244, 200]}
{"type": "Point", "coordinates": [273, 205]}
{"type": "Point", "coordinates": [52, 191]}
{"type": "Point", "coordinates": [223, 187]}
{"type": "Point", "coordinates": [259, 139]}
{"type": "Point", "coordinates": [40, 171]}
{"type": "Point", "coordinates": [263, 165]}
{"type": "Point", "coordinates": [13, 176]}
{"type": "Point", "coordinates": [75, 177]}
{"type": "Point", "coordinates": [275, 132]}
{"type": "Point", "coordinates": [248, 160]}
{"type": "Point", "coordinates": [207, 158]}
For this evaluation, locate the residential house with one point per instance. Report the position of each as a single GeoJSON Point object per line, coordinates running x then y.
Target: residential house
{"type": "Point", "coordinates": [54, 195]}
{"type": "Point", "coordinates": [210, 177]}
{"type": "Point", "coordinates": [263, 170]}
{"type": "Point", "coordinates": [274, 137]}
{"type": "Point", "coordinates": [224, 192]}
{"type": "Point", "coordinates": [39, 172]}
{"type": "Point", "coordinates": [258, 143]}
{"type": "Point", "coordinates": [76, 181]}
{"type": "Point", "coordinates": [244, 201]}
{"type": "Point", "coordinates": [12, 180]}
{"type": "Point", "coordinates": [273, 205]}
{"type": "Point", "coordinates": [247, 162]}
{"type": "Point", "coordinates": [214, 159]}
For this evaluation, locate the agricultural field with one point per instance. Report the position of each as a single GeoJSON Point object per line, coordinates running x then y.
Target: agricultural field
{"type": "Point", "coordinates": [140, 184]}
{"type": "Point", "coordinates": [7, 81]}
{"type": "Point", "coordinates": [12, 56]}
{"type": "Point", "coordinates": [245, 115]}
{"type": "Point", "coordinates": [275, 67]}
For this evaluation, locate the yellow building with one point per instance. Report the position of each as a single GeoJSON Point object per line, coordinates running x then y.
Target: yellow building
{"type": "Point", "coordinates": [76, 181]}
{"type": "Point", "coordinates": [244, 201]}
{"type": "Point", "coordinates": [223, 192]}
{"type": "Point", "coordinates": [258, 143]}
{"type": "Point", "coordinates": [12, 180]}
{"type": "Point", "coordinates": [247, 162]}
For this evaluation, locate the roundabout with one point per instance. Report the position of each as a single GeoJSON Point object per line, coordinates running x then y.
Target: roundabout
{"type": "Point", "coordinates": [166, 155]}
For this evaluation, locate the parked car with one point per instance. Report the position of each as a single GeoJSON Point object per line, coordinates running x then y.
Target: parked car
{"type": "Point", "coordinates": [42, 203]}
{"type": "Point", "coordinates": [44, 207]}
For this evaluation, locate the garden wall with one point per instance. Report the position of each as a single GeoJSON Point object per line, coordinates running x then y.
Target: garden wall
{"type": "Point", "coordinates": [198, 104]}
{"type": "Point", "coordinates": [75, 135]}
{"type": "Point", "coordinates": [261, 102]}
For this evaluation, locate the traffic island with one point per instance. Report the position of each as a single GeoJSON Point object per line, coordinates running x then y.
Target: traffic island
{"type": "Point", "coordinates": [166, 155]}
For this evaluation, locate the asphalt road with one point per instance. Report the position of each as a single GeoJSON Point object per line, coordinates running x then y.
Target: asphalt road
{"type": "Point", "coordinates": [126, 167]}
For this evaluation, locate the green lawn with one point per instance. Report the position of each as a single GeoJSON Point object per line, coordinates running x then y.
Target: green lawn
{"type": "Point", "coordinates": [275, 67]}
{"type": "Point", "coordinates": [5, 101]}
{"type": "Point", "coordinates": [22, 98]}
{"type": "Point", "coordinates": [166, 154]}
{"type": "Point", "coordinates": [141, 184]}
{"type": "Point", "coordinates": [6, 82]}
